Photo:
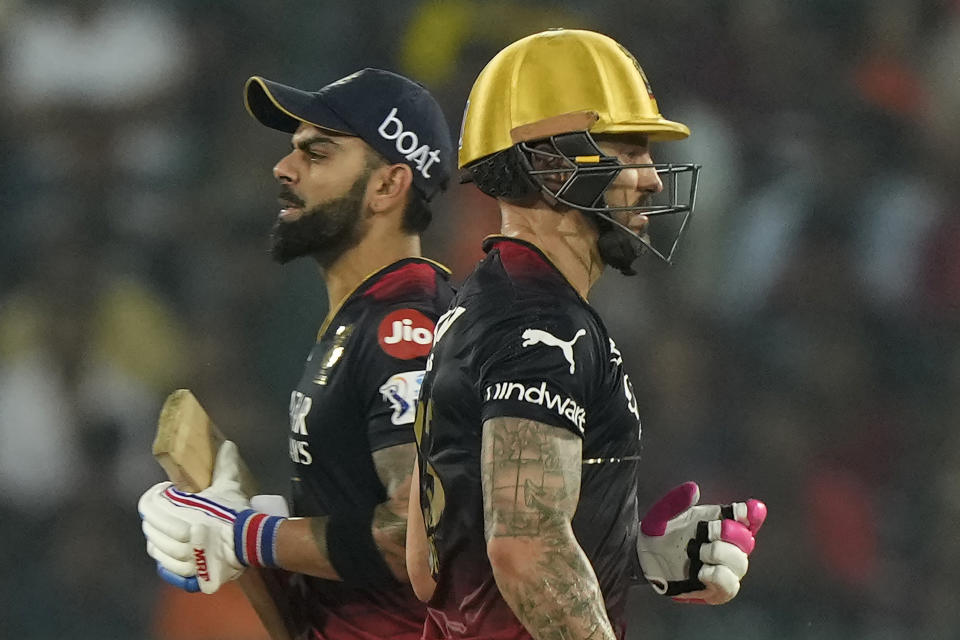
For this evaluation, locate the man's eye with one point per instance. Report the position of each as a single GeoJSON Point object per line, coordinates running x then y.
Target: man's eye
{"type": "Point", "coordinates": [313, 155]}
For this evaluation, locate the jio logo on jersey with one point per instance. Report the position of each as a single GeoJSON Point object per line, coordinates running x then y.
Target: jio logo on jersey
{"type": "Point", "coordinates": [405, 334]}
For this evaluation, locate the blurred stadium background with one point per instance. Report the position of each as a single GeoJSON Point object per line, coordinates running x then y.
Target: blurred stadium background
{"type": "Point", "coordinates": [804, 349]}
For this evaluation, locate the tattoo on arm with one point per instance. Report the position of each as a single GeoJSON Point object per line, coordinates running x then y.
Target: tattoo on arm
{"type": "Point", "coordinates": [395, 468]}
{"type": "Point", "coordinates": [389, 527]}
{"type": "Point", "coordinates": [531, 486]}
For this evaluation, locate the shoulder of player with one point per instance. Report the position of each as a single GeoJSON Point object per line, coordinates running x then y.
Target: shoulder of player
{"type": "Point", "coordinates": [516, 327]}
{"type": "Point", "coordinates": [407, 281]}
{"type": "Point", "coordinates": [529, 272]}
{"type": "Point", "coordinates": [494, 290]}
{"type": "Point", "coordinates": [498, 305]}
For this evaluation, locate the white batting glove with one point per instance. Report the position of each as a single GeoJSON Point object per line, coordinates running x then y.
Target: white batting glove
{"type": "Point", "coordinates": [697, 554]}
{"type": "Point", "coordinates": [203, 540]}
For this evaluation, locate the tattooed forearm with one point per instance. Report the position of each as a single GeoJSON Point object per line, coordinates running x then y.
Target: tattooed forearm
{"type": "Point", "coordinates": [531, 485]}
{"type": "Point", "coordinates": [302, 542]}
{"type": "Point", "coordinates": [390, 535]}
{"type": "Point", "coordinates": [394, 467]}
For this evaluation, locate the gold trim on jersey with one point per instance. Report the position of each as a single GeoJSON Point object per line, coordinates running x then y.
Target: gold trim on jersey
{"type": "Point", "coordinates": [442, 267]}
{"type": "Point", "coordinates": [333, 354]}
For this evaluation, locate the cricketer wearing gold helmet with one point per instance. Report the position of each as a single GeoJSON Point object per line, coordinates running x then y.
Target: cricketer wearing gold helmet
{"type": "Point", "coordinates": [527, 425]}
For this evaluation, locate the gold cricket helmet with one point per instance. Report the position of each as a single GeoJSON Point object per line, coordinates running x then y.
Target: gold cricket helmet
{"type": "Point", "coordinates": [557, 81]}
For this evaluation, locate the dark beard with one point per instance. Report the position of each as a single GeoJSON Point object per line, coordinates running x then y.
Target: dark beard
{"type": "Point", "coordinates": [617, 249]}
{"type": "Point", "coordinates": [325, 231]}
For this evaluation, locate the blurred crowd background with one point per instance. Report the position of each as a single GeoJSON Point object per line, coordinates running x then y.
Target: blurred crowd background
{"type": "Point", "coordinates": [804, 349]}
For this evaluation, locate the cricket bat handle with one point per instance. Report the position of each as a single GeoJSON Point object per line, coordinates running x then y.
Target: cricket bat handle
{"type": "Point", "coordinates": [186, 445]}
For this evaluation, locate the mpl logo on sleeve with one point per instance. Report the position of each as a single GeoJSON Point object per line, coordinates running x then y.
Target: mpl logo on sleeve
{"type": "Point", "coordinates": [400, 391]}
{"type": "Point", "coordinates": [405, 334]}
{"type": "Point", "coordinates": [408, 143]}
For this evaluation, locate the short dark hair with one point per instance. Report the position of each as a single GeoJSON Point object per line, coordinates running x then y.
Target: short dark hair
{"type": "Point", "coordinates": [416, 214]}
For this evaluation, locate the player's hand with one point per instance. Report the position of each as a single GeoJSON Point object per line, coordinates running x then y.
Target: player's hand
{"type": "Point", "coordinates": [203, 540]}
{"type": "Point", "coordinates": [696, 553]}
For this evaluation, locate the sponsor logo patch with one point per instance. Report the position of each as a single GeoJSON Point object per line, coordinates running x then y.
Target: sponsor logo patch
{"type": "Point", "coordinates": [539, 336]}
{"type": "Point", "coordinates": [444, 323]}
{"type": "Point", "coordinates": [539, 395]}
{"type": "Point", "coordinates": [400, 391]}
{"type": "Point", "coordinates": [407, 142]}
{"type": "Point", "coordinates": [405, 334]}
{"type": "Point", "coordinates": [200, 559]}
{"type": "Point", "coordinates": [616, 358]}
{"type": "Point", "coordinates": [631, 397]}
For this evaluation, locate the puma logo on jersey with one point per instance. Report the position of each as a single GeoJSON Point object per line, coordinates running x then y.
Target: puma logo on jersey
{"type": "Point", "coordinates": [539, 336]}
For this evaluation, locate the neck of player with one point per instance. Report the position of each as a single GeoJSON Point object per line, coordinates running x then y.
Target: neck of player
{"type": "Point", "coordinates": [381, 246]}
{"type": "Point", "coordinates": [566, 237]}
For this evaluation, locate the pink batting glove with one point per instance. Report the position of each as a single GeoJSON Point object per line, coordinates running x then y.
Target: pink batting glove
{"type": "Point", "coordinates": [698, 553]}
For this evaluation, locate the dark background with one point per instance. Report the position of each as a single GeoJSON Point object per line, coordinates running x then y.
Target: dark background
{"type": "Point", "coordinates": [803, 350]}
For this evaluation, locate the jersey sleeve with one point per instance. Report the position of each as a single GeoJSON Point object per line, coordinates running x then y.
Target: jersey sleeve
{"type": "Point", "coordinates": [397, 343]}
{"type": "Point", "coordinates": [540, 368]}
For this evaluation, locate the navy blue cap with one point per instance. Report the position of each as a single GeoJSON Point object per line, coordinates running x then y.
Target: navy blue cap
{"type": "Point", "coordinates": [396, 116]}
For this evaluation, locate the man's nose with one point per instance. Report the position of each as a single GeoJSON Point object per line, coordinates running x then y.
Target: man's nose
{"type": "Point", "coordinates": [644, 181]}
{"type": "Point", "coordinates": [284, 171]}
{"type": "Point", "coordinates": [648, 180]}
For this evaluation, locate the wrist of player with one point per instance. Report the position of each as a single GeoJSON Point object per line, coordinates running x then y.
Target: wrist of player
{"type": "Point", "coordinates": [207, 538]}
{"type": "Point", "coordinates": [255, 538]}
{"type": "Point", "coordinates": [199, 543]}
{"type": "Point", "coordinates": [199, 520]}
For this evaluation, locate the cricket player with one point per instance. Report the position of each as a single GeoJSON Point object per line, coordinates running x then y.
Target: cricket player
{"type": "Point", "coordinates": [528, 428]}
{"type": "Point", "coordinates": [369, 151]}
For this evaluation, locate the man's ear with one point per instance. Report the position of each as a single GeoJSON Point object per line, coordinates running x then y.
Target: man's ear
{"type": "Point", "coordinates": [389, 186]}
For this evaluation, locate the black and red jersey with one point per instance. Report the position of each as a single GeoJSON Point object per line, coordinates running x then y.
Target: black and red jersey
{"type": "Point", "coordinates": [519, 341]}
{"type": "Point", "coordinates": [358, 395]}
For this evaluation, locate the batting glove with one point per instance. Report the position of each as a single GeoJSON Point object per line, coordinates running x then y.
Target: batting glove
{"type": "Point", "coordinates": [202, 540]}
{"type": "Point", "coordinates": [697, 554]}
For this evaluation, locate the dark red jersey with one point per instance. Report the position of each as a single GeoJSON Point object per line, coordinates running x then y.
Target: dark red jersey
{"type": "Point", "coordinates": [519, 341]}
{"type": "Point", "coordinates": [358, 395]}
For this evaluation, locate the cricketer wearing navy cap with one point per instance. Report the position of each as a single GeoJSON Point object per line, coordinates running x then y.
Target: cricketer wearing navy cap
{"type": "Point", "coordinates": [396, 116]}
{"type": "Point", "coordinates": [367, 152]}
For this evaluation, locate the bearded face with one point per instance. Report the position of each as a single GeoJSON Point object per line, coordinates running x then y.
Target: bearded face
{"type": "Point", "coordinates": [617, 248]}
{"type": "Point", "coordinates": [325, 231]}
